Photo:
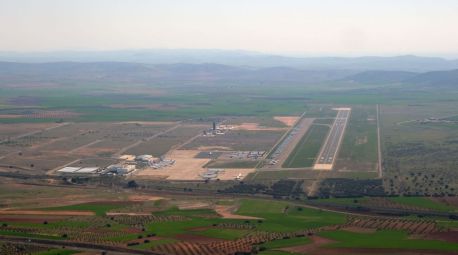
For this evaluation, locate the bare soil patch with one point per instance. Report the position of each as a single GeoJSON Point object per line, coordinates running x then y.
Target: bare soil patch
{"type": "Point", "coordinates": [317, 241]}
{"type": "Point", "coordinates": [186, 166]}
{"type": "Point", "coordinates": [12, 130]}
{"type": "Point", "coordinates": [51, 213]}
{"type": "Point", "coordinates": [140, 197]}
{"type": "Point", "coordinates": [287, 120]}
{"type": "Point", "coordinates": [450, 201]}
{"type": "Point", "coordinates": [28, 219]}
{"type": "Point", "coordinates": [449, 236]}
{"type": "Point", "coordinates": [10, 116]}
{"type": "Point", "coordinates": [256, 127]}
{"type": "Point", "coordinates": [190, 205]}
{"type": "Point", "coordinates": [227, 213]}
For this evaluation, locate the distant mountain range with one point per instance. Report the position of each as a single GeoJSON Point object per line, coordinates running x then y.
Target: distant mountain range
{"type": "Point", "coordinates": [11, 72]}
{"type": "Point", "coordinates": [135, 72]}
{"type": "Point", "coordinates": [237, 58]}
{"type": "Point", "coordinates": [434, 78]}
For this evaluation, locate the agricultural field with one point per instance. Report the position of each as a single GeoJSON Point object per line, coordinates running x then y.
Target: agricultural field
{"type": "Point", "coordinates": [174, 224]}
{"type": "Point", "coordinates": [253, 204]}
{"type": "Point", "coordinates": [400, 204]}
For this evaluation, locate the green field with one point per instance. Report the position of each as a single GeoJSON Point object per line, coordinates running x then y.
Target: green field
{"type": "Point", "coordinates": [385, 239]}
{"type": "Point", "coordinates": [358, 150]}
{"type": "Point", "coordinates": [424, 202]}
{"type": "Point", "coordinates": [283, 217]}
{"type": "Point", "coordinates": [57, 252]}
{"type": "Point", "coordinates": [274, 216]}
{"type": "Point", "coordinates": [306, 151]}
{"type": "Point", "coordinates": [227, 234]}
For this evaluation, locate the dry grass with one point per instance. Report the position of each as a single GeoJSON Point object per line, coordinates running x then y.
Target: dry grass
{"type": "Point", "coordinates": [226, 212]}
{"type": "Point", "coordinates": [256, 127]}
{"type": "Point", "coordinates": [287, 120]}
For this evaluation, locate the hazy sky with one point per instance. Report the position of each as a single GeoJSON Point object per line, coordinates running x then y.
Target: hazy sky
{"type": "Point", "coordinates": [319, 27]}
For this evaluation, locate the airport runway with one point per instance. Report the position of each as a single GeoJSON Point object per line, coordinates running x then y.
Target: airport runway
{"type": "Point", "coordinates": [329, 151]}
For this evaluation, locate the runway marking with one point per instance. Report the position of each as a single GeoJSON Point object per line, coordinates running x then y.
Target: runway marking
{"type": "Point", "coordinates": [328, 153]}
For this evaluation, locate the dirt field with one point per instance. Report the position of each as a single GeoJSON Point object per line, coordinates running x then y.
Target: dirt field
{"type": "Point", "coordinates": [239, 140]}
{"type": "Point", "coordinates": [191, 205]}
{"type": "Point", "coordinates": [51, 213]}
{"type": "Point", "coordinates": [36, 163]}
{"type": "Point", "coordinates": [163, 143]}
{"type": "Point", "coordinates": [186, 167]}
{"type": "Point", "coordinates": [140, 197]}
{"type": "Point", "coordinates": [317, 241]}
{"type": "Point", "coordinates": [41, 114]}
{"type": "Point", "coordinates": [287, 120]}
{"type": "Point", "coordinates": [11, 131]}
{"type": "Point", "coordinates": [256, 127]}
{"type": "Point", "coordinates": [31, 218]}
{"type": "Point", "coordinates": [39, 148]}
{"type": "Point", "coordinates": [10, 116]}
{"type": "Point", "coordinates": [226, 212]}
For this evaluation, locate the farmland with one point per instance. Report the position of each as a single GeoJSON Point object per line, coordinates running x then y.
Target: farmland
{"type": "Point", "coordinates": [176, 225]}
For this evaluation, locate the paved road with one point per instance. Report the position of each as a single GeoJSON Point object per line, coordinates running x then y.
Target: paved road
{"type": "Point", "coordinates": [329, 150]}
{"type": "Point", "coordinates": [288, 147]}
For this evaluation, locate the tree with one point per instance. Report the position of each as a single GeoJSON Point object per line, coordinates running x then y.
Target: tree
{"type": "Point", "coordinates": [132, 184]}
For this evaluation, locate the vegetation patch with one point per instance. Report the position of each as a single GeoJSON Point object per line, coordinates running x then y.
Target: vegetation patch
{"type": "Point", "coordinates": [306, 151]}
{"type": "Point", "coordinates": [384, 239]}
{"type": "Point", "coordinates": [99, 208]}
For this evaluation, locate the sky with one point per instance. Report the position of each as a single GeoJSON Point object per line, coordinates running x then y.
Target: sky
{"type": "Point", "coordinates": [301, 27]}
